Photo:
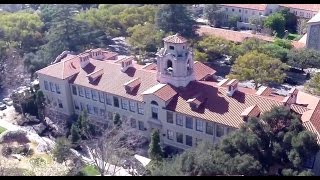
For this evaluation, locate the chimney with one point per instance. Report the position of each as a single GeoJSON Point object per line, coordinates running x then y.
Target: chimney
{"type": "Point", "coordinates": [84, 59]}
{"type": "Point", "coordinates": [126, 63]}
{"type": "Point", "coordinates": [264, 91]}
{"type": "Point", "coordinates": [95, 75]}
{"type": "Point", "coordinates": [97, 54]}
{"type": "Point", "coordinates": [232, 86]}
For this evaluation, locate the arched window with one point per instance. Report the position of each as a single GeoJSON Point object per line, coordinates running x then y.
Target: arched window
{"type": "Point", "coordinates": [169, 64]}
{"type": "Point", "coordinates": [154, 103]}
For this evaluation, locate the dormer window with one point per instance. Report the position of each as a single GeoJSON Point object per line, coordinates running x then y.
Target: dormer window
{"type": "Point", "coordinates": [171, 47]}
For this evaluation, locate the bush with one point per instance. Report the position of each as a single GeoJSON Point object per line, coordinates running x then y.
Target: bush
{"type": "Point", "coordinates": [38, 161]}
{"type": "Point", "coordinates": [23, 150]}
{"type": "Point", "coordinates": [14, 136]}
{"type": "Point", "coordinates": [6, 151]}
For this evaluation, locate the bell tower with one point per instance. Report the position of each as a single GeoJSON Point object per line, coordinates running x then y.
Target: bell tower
{"type": "Point", "coordinates": [175, 62]}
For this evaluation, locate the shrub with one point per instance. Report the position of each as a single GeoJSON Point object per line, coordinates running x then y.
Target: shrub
{"type": "Point", "coordinates": [6, 151]}
{"type": "Point", "coordinates": [38, 161]}
{"type": "Point", "coordinates": [15, 136]}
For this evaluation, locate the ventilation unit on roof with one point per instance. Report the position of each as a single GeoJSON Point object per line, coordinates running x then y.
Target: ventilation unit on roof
{"type": "Point", "coordinates": [97, 54]}
{"type": "Point", "coordinates": [84, 59]}
{"type": "Point", "coordinates": [95, 75]}
{"type": "Point", "coordinates": [126, 63]}
{"type": "Point", "coordinates": [232, 87]}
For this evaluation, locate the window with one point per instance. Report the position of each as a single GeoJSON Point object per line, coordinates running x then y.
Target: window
{"type": "Point", "coordinates": [188, 140]}
{"type": "Point", "coordinates": [94, 95]}
{"type": "Point", "coordinates": [132, 106]}
{"type": "Point", "coordinates": [220, 131]}
{"type": "Point", "coordinates": [46, 86]}
{"type": "Point", "coordinates": [246, 11]}
{"type": "Point", "coordinates": [226, 9]}
{"type": "Point", "coordinates": [170, 134]}
{"type": "Point", "coordinates": [80, 89]}
{"type": "Point", "coordinates": [110, 115]}
{"type": "Point", "coordinates": [52, 87]}
{"type": "Point", "coordinates": [102, 112]}
{"type": "Point", "coordinates": [301, 13]}
{"type": "Point", "coordinates": [179, 120]}
{"type": "Point", "coordinates": [171, 47]}
{"type": "Point", "coordinates": [169, 117]}
{"type": "Point", "coordinates": [133, 123]}
{"type": "Point", "coordinates": [87, 92]}
{"type": "Point", "coordinates": [76, 105]}
{"type": "Point", "coordinates": [74, 90]}
{"type": "Point", "coordinates": [109, 99]}
{"type": "Point", "coordinates": [154, 103]}
{"type": "Point", "coordinates": [154, 112]}
{"type": "Point", "coordinates": [101, 98]}
{"type": "Point", "coordinates": [60, 103]}
{"type": "Point", "coordinates": [81, 106]}
{"type": "Point", "coordinates": [209, 128]}
{"type": "Point", "coordinates": [189, 122]}
{"type": "Point", "coordinates": [89, 108]}
{"type": "Point", "coordinates": [232, 10]}
{"type": "Point", "coordinates": [140, 109]}
{"type": "Point", "coordinates": [116, 101]}
{"type": "Point", "coordinates": [95, 110]}
{"type": "Point", "coordinates": [58, 88]}
{"type": "Point", "coordinates": [260, 13]}
{"type": "Point", "coordinates": [141, 125]}
{"type": "Point", "coordinates": [239, 10]}
{"type": "Point", "coordinates": [124, 104]}
{"type": "Point", "coordinates": [179, 137]}
{"type": "Point", "coordinates": [199, 125]}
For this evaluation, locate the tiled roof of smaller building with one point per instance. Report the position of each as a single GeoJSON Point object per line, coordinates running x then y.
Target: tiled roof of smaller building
{"type": "Point", "coordinates": [202, 71]}
{"type": "Point", "coordinates": [176, 39]}
{"type": "Point", "coordinates": [259, 7]}
{"type": "Point", "coordinates": [298, 109]}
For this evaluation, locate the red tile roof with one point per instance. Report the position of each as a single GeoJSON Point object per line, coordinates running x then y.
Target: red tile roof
{"type": "Point", "coordinates": [202, 71]}
{"type": "Point", "coordinates": [259, 7]}
{"type": "Point", "coordinates": [306, 7]}
{"type": "Point", "coordinates": [151, 66]}
{"type": "Point", "coordinates": [252, 111]}
{"type": "Point", "coordinates": [165, 93]}
{"type": "Point", "coordinates": [298, 109]}
{"type": "Point", "coordinates": [176, 39]}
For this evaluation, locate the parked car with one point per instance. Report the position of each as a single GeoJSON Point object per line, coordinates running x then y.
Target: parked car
{"type": "Point", "coordinates": [8, 101]}
{"type": "Point", "coordinates": [2, 106]}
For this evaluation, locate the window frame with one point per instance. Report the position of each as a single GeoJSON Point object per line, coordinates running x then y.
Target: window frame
{"type": "Point", "coordinates": [198, 123]}
{"type": "Point", "coordinates": [187, 120]}
{"type": "Point", "coordinates": [46, 85]}
{"type": "Point", "coordinates": [218, 130]}
{"type": "Point", "coordinates": [94, 95]}
{"type": "Point", "coordinates": [140, 109]}
{"type": "Point", "coordinates": [209, 126]}
{"type": "Point", "coordinates": [124, 104]}
{"type": "Point", "coordinates": [132, 106]}
{"type": "Point", "coordinates": [116, 102]}
{"type": "Point", "coordinates": [170, 114]}
{"type": "Point", "coordinates": [81, 91]}
{"type": "Point", "coordinates": [188, 138]}
{"type": "Point", "coordinates": [133, 123]}
{"type": "Point", "coordinates": [180, 120]}
{"type": "Point", "coordinates": [170, 134]}
{"type": "Point", "coordinates": [154, 112]}
{"type": "Point", "coordinates": [179, 136]}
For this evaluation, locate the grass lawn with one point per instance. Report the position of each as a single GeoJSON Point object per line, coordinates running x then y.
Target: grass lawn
{"type": "Point", "coordinates": [2, 129]}
{"type": "Point", "coordinates": [90, 170]}
{"type": "Point", "coordinates": [293, 36]}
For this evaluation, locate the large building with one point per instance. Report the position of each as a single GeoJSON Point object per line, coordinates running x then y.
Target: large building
{"type": "Point", "coordinates": [177, 96]}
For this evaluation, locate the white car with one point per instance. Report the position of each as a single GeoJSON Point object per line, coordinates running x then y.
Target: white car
{"type": "Point", "coordinates": [8, 101]}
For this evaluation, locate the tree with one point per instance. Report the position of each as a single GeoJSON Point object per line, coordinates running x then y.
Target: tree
{"type": "Point", "coordinates": [232, 21]}
{"type": "Point", "coordinates": [301, 26]}
{"type": "Point", "coordinates": [257, 21]}
{"type": "Point", "coordinates": [274, 51]}
{"type": "Point", "coordinates": [290, 20]}
{"type": "Point", "coordinates": [313, 86]}
{"type": "Point", "coordinates": [175, 18]}
{"type": "Point", "coordinates": [215, 15]}
{"type": "Point", "coordinates": [75, 135]}
{"type": "Point", "coordinates": [258, 67]}
{"type": "Point", "coordinates": [304, 58]}
{"type": "Point", "coordinates": [200, 56]}
{"type": "Point", "coordinates": [61, 151]}
{"type": "Point", "coordinates": [40, 102]}
{"type": "Point", "coordinates": [283, 43]}
{"type": "Point", "coordinates": [276, 22]}
{"type": "Point", "coordinates": [117, 120]}
{"type": "Point", "coordinates": [145, 37]}
{"type": "Point", "coordinates": [275, 142]}
{"type": "Point", "coordinates": [155, 150]}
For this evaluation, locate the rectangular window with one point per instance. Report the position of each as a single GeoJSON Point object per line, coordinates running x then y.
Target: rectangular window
{"type": "Point", "coordinates": [220, 131]}
{"type": "Point", "coordinates": [209, 128]}
{"type": "Point", "coordinates": [101, 98]}
{"type": "Point", "coordinates": [239, 10]}
{"type": "Point", "coordinates": [199, 125]}
{"type": "Point", "coordinates": [87, 92]}
{"type": "Point", "coordinates": [188, 140]}
{"type": "Point", "coordinates": [46, 86]}
{"type": "Point", "coordinates": [60, 103]}
{"type": "Point", "coordinates": [110, 116]}
{"type": "Point", "coordinates": [76, 105]}
{"type": "Point", "coordinates": [109, 99]}
{"type": "Point", "coordinates": [171, 47]}
{"type": "Point", "coordinates": [81, 106]}
{"type": "Point", "coordinates": [58, 88]}
{"type": "Point", "coordinates": [89, 109]}
{"type": "Point", "coordinates": [169, 117]}
{"type": "Point", "coordinates": [141, 126]}
{"type": "Point", "coordinates": [102, 112]}
{"type": "Point", "coordinates": [301, 13]}
{"type": "Point", "coordinates": [179, 120]}
{"type": "Point", "coordinates": [116, 101]}
{"type": "Point", "coordinates": [232, 10]}
{"type": "Point", "coordinates": [124, 104]}
{"type": "Point", "coordinates": [140, 109]}
{"type": "Point", "coordinates": [179, 137]}
{"type": "Point", "coordinates": [189, 122]}
{"type": "Point", "coordinates": [94, 95]}
{"type": "Point", "coordinates": [133, 123]}
{"type": "Point", "coordinates": [154, 112]}
{"type": "Point", "coordinates": [95, 110]}
{"type": "Point", "coordinates": [226, 9]}
{"type": "Point", "coordinates": [132, 106]}
{"type": "Point", "coordinates": [170, 134]}
{"type": "Point", "coordinates": [52, 87]}
{"type": "Point", "coordinates": [80, 89]}
{"type": "Point", "coordinates": [246, 11]}
{"type": "Point", "coordinates": [74, 90]}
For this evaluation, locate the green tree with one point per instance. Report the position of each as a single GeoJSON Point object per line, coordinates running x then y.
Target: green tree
{"type": "Point", "coordinates": [290, 20]}
{"type": "Point", "coordinates": [283, 43]}
{"type": "Point", "coordinates": [274, 51]}
{"type": "Point", "coordinates": [215, 15]}
{"type": "Point", "coordinates": [304, 58]}
{"type": "Point", "coordinates": [145, 37]}
{"type": "Point", "coordinates": [200, 56]}
{"type": "Point", "coordinates": [155, 150]}
{"type": "Point", "coordinates": [260, 68]}
{"type": "Point", "coordinates": [75, 134]}
{"type": "Point", "coordinates": [116, 120]}
{"type": "Point", "coordinates": [232, 21]}
{"type": "Point", "coordinates": [276, 22]}
{"type": "Point", "coordinates": [175, 18]}
{"type": "Point", "coordinates": [61, 151]}
{"type": "Point", "coordinates": [313, 86]}
{"type": "Point", "coordinates": [40, 102]}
